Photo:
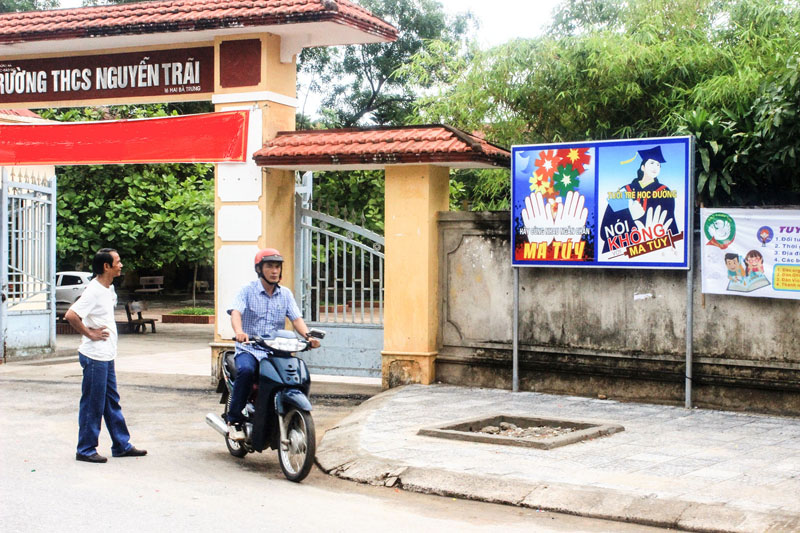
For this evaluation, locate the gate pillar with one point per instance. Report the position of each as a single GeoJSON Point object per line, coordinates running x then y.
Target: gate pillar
{"type": "Point", "coordinates": [254, 207]}
{"type": "Point", "coordinates": [414, 194]}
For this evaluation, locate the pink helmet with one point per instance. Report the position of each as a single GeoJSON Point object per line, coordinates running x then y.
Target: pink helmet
{"type": "Point", "coordinates": [266, 255]}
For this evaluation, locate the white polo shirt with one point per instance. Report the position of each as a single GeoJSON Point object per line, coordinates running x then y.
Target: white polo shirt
{"type": "Point", "coordinates": [96, 309]}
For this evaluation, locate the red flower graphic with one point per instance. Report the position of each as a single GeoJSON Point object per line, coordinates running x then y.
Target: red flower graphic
{"type": "Point", "coordinates": [577, 158]}
{"type": "Point", "coordinates": [547, 163]}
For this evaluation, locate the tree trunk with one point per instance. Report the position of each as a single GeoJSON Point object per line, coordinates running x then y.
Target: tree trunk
{"type": "Point", "coordinates": [194, 287]}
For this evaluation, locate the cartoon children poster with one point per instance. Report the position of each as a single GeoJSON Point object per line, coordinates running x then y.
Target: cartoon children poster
{"type": "Point", "coordinates": [751, 252]}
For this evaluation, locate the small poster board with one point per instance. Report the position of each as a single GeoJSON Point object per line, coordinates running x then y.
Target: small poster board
{"type": "Point", "coordinates": [751, 252]}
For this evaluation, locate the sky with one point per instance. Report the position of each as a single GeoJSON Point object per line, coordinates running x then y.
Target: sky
{"type": "Point", "coordinates": [501, 20]}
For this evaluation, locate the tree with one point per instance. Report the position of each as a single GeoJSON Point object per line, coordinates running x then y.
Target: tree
{"type": "Point", "coordinates": [360, 83]}
{"type": "Point", "coordinates": [10, 6]}
{"type": "Point", "coordinates": [156, 214]}
{"type": "Point", "coordinates": [632, 69]}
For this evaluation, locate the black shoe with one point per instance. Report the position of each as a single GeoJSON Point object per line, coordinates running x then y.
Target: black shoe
{"type": "Point", "coordinates": [133, 451]}
{"type": "Point", "coordinates": [94, 458]}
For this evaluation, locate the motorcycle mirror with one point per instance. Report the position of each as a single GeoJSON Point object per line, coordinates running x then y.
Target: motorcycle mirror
{"type": "Point", "coordinates": [316, 333]}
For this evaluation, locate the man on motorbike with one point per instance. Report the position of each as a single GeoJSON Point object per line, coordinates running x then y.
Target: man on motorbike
{"type": "Point", "coordinates": [261, 307]}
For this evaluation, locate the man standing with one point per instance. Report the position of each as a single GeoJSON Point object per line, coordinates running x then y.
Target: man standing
{"type": "Point", "coordinates": [261, 307]}
{"type": "Point", "coordinates": [92, 315]}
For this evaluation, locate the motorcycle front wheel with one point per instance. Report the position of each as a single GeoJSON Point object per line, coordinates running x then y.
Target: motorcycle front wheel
{"type": "Point", "coordinates": [296, 454]}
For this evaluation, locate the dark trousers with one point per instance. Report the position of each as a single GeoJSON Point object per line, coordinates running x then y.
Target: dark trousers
{"type": "Point", "coordinates": [246, 370]}
{"type": "Point", "coordinates": [100, 401]}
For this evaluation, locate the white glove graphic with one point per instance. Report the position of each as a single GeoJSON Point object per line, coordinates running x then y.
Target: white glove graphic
{"type": "Point", "coordinates": [537, 219]}
{"type": "Point", "coordinates": [558, 220]}
{"type": "Point", "coordinates": [569, 219]}
{"type": "Point", "coordinates": [653, 219]}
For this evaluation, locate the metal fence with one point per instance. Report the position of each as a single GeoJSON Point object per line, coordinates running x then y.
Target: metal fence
{"type": "Point", "coordinates": [29, 229]}
{"type": "Point", "coordinates": [339, 269]}
{"type": "Point", "coordinates": [27, 260]}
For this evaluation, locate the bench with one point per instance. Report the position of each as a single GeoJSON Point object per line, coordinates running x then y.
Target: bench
{"type": "Point", "coordinates": [150, 284]}
{"type": "Point", "coordinates": [135, 323]}
{"type": "Point", "coordinates": [201, 286]}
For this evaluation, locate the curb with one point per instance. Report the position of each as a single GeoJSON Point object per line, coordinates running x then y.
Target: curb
{"type": "Point", "coordinates": [340, 454]}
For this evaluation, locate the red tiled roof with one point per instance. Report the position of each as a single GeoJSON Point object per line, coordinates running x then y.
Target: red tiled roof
{"type": "Point", "coordinates": [19, 113]}
{"type": "Point", "coordinates": [380, 146]}
{"type": "Point", "coordinates": [183, 15]}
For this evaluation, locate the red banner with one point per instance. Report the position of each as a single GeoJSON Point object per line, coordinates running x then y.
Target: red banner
{"type": "Point", "coordinates": [205, 138]}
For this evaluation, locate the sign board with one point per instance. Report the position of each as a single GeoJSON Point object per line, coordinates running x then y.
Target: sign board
{"type": "Point", "coordinates": [751, 252]}
{"type": "Point", "coordinates": [606, 204]}
{"type": "Point", "coordinates": [162, 73]}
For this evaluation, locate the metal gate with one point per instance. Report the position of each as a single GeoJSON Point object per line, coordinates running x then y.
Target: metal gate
{"type": "Point", "coordinates": [27, 260]}
{"type": "Point", "coordinates": [339, 287]}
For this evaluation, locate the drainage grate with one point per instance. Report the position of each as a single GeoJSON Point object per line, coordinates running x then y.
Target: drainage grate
{"type": "Point", "coordinates": [568, 432]}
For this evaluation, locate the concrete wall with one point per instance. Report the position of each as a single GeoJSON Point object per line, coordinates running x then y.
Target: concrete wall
{"type": "Point", "coordinates": [613, 333]}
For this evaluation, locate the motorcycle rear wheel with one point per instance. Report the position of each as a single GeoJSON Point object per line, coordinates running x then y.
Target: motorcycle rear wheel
{"type": "Point", "coordinates": [235, 447]}
{"type": "Point", "coordinates": [297, 456]}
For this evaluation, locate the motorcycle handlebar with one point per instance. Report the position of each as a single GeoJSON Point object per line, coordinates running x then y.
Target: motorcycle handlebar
{"type": "Point", "coordinates": [255, 341]}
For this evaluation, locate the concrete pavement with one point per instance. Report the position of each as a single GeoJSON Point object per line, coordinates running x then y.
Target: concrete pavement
{"type": "Point", "coordinates": [697, 470]}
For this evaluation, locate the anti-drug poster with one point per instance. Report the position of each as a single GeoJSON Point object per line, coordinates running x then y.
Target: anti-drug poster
{"type": "Point", "coordinates": [751, 252]}
{"type": "Point", "coordinates": [609, 204]}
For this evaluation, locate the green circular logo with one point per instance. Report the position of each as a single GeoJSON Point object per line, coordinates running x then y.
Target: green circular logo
{"type": "Point", "coordinates": [720, 229]}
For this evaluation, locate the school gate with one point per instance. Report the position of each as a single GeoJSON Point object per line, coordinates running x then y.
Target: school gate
{"type": "Point", "coordinates": [339, 274]}
{"type": "Point", "coordinates": [241, 60]}
{"type": "Point", "coordinates": [244, 59]}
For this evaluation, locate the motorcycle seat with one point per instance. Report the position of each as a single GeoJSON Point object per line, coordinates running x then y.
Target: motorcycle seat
{"type": "Point", "coordinates": [230, 364]}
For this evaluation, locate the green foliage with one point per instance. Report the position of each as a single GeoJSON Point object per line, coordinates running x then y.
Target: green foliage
{"type": "Point", "coordinates": [360, 83]}
{"type": "Point", "coordinates": [155, 215]}
{"type": "Point", "coordinates": [9, 6]}
{"type": "Point", "coordinates": [719, 70]}
{"type": "Point", "coordinates": [766, 154]}
{"type": "Point", "coordinates": [205, 311]}
{"type": "Point", "coordinates": [356, 196]}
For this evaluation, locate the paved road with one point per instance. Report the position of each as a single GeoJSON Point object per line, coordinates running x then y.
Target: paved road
{"type": "Point", "coordinates": [189, 482]}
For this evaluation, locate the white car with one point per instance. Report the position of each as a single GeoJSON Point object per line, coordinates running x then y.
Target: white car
{"type": "Point", "coordinates": [69, 287]}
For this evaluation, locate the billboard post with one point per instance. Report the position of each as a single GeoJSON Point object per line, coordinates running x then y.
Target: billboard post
{"type": "Point", "coordinates": [618, 204]}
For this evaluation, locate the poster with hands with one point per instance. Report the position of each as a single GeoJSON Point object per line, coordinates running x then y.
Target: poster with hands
{"type": "Point", "coordinates": [602, 204]}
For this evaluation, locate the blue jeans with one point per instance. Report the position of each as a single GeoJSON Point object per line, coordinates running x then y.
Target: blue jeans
{"type": "Point", "coordinates": [246, 369]}
{"type": "Point", "coordinates": [100, 401]}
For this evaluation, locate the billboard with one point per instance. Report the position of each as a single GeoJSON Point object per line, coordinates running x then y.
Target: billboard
{"type": "Point", "coordinates": [751, 252]}
{"type": "Point", "coordinates": [606, 204]}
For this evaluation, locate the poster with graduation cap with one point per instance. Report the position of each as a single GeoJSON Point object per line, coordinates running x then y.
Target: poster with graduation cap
{"type": "Point", "coordinates": [612, 204]}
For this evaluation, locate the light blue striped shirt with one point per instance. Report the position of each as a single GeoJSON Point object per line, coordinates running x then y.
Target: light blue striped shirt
{"type": "Point", "coordinates": [263, 314]}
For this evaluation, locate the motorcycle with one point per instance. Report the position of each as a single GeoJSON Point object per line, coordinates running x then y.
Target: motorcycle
{"type": "Point", "coordinates": [278, 411]}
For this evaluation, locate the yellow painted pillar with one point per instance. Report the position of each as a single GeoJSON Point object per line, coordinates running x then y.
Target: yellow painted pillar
{"type": "Point", "coordinates": [254, 207]}
{"type": "Point", "coordinates": [414, 194]}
